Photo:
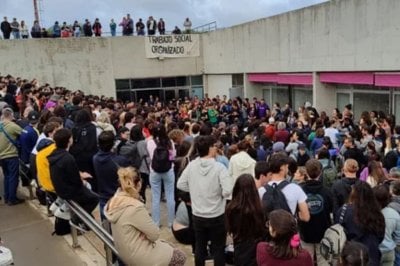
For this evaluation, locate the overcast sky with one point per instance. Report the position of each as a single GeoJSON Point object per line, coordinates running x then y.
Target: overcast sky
{"type": "Point", "coordinates": [225, 12]}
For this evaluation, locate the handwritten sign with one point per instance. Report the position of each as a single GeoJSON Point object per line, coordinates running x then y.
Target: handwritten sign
{"type": "Point", "coordinates": [182, 45]}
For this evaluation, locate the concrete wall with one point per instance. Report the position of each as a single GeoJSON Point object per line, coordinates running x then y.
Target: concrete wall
{"type": "Point", "coordinates": [89, 64]}
{"type": "Point", "coordinates": [218, 85]}
{"type": "Point", "coordinates": [339, 35]}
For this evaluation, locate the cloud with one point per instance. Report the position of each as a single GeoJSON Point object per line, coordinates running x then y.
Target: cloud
{"type": "Point", "coordinates": [225, 12]}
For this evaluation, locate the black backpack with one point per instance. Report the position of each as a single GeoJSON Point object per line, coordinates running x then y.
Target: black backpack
{"type": "Point", "coordinates": [130, 151]}
{"type": "Point", "coordinates": [274, 199]}
{"type": "Point", "coordinates": [161, 162]}
{"type": "Point", "coordinates": [61, 227]}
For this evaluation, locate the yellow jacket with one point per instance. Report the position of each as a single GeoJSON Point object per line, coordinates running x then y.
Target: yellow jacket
{"type": "Point", "coordinates": [43, 167]}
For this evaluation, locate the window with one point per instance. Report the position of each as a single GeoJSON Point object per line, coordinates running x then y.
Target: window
{"type": "Point", "coordinates": [197, 80]}
{"type": "Point", "coordinates": [280, 94]}
{"type": "Point", "coordinates": [237, 80]}
{"type": "Point", "coordinates": [364, 101]}
{"type": "Point", "coordinates": [342, 100]}
{"type": "Point", "coordinates": [146, 83]}
{"type": "Point", "coordinates": [122, 84]}
{"type": "Point", "coordinates": [125, 95]}
{"type": "Point", "coordinates": [300, 95]}
{"type": "Point", "coordinates": [397, 108]}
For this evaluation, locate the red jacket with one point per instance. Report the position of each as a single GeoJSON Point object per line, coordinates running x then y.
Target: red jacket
{"type": "Point", "coordinates": [270, 131]}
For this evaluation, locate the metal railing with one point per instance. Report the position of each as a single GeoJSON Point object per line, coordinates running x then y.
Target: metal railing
{"type": "Point", "coordinates": [96, 228]}
{"type": "Point", "coordinates": [206, 27]}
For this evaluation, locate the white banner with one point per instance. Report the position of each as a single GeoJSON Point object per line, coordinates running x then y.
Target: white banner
{"type": "Point", "coordinates": [181, 45]}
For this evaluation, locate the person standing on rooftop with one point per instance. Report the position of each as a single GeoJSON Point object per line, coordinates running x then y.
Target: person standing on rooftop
{"type": "Point", "coordinates": [187, 24]}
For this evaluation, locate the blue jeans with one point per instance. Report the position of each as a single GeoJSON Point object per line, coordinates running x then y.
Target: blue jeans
{"type": "Point", "coordinates": [102, 204]}
{"type": "Point", "coordinates": [397, 257]}
{"type": "Point", "coordinates": [113, 33]}
{"type": "Point", "coordinates": [10, 170]}
{"type": "Point", "coordinates": [169, 183]}
{"type": "Point", "coordinates": [16, 34]}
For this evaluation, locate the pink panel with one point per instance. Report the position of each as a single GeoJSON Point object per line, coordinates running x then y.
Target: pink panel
{"type": "Point", "coordinates": [296, 79]}
{"type": "Point", "coordinates": [366, 78]}
{"type": "Point", "coordinates": [387, 79]}
{"type": "Point", "coordinates": [263, 77]}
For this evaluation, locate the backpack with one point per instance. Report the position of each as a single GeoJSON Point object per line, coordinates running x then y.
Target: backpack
{"type": "Point", "coordinates": [130, 151]}
{"type": "Point", "coordinates": [85, 142]}
{"type": "Point", "coordinates": [334, 240]}
{"type": "Point", "coordinates": [274, 199]}
{"type": "Point", "coordinates": [329, 175]}
{"type": "Point", "coordinates": [61, 227]}
{"type": "Point", "coordinates": [161, 162]}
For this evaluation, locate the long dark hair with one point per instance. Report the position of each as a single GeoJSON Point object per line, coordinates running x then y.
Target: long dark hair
{"type": "Point", "coordinates": [160, 135]}
{"type": "Point", "coordinates": [285, 227]}
{"type": "Point", "coordinates": [244, 215]}
{"type": "Point", "coordinates": [367, 212]}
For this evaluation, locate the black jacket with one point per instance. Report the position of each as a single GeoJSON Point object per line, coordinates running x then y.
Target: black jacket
{"type": "Point", "coordinates": [5, 27]}
{"type": "Point", "coordinates": [85, 146]}
{"type": "Point", "coordinates": [106, 165]}
{"type": "Point", "coordinates": [64, 174]}
{"type": "Point", "coordinates": [341, 191]}
{"type": "Point", "coordinates": [320, 204]}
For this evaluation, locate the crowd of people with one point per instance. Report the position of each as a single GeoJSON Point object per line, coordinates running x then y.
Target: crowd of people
{"type": "Point", "coordinates": [281, 183]}
{"type": "Point", "coordinates": [20, 30]}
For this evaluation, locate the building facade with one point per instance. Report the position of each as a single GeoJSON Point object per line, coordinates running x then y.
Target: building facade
{"type": "Point", "coordinates": [331, 54]}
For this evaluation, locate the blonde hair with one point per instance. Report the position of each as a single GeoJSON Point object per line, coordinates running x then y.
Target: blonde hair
{"type": "Point", "coordinates": [129, 181]}
{"type": "Point", "coordinates": [103, 117]}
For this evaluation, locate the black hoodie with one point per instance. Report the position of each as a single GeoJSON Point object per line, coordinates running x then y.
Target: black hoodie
{"type": "Point", "coordinates": [320, 204]}
{"type": "Point", "coordinates": [106, 165]}
{"type": "Point", "coordinates": [341, 191]}
{"type": "Point", "coordinates": [64, 174]}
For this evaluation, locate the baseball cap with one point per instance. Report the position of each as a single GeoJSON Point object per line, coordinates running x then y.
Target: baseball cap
{"type": "Point", "coordinates": [33, 116]}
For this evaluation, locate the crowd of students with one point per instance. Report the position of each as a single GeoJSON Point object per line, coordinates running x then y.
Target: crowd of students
{"type": "Point", "coordinates": [273, 179]}
{"type": "Point", "coordinates": [20, 30]}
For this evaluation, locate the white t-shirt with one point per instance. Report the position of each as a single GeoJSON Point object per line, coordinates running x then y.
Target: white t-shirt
{"type": "Point", "coordinates": [293, 193]}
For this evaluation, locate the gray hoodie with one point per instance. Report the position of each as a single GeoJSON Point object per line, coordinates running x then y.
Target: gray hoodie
{"type": "Point", "coordinates": [209, 185]}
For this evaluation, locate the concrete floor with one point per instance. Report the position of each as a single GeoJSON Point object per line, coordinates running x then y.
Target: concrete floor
{"type": "Point", "coordinates": [28, 235]}
{"type": "Point", "coordinates": [26, 230]}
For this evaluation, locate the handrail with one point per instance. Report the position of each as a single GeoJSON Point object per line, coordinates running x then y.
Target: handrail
{"type": "Point", "coordinates": [206, 27]}
{"type": "Point", "coordinates": [97, 229]}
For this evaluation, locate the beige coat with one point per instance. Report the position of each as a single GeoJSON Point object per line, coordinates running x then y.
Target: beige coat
{"type": "Point", "coordinates": [135, 234]}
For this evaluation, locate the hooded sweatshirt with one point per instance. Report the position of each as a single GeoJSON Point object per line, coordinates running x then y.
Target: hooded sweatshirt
{"type": "Point", "coordinates": [65, 174]}
{"type": "Point", "coordinates": [105, 167]}
{"type": "Point", "coordinates": [241, 163]}
{"type": "Point", "coordinates": [135, 234]}
{"type": "Point", "coordinates": [320, 204]}
{"type": "Point", "coordinates": [209, 185]}
{"type": "Point", "coordinates": [341, 191]}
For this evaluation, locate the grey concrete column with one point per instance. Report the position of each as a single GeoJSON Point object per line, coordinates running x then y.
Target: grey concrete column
{"type": "Point", "coordinates": [324, 95]}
